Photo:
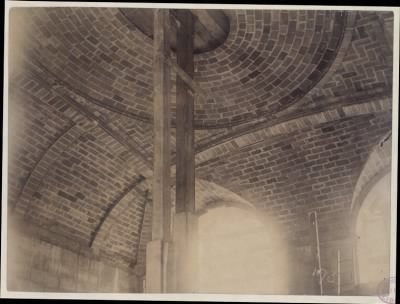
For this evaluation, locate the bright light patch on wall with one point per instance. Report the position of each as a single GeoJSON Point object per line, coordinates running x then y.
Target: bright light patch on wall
{"type": "Point", "coordinates": [240, 254]}
{"type": "Point", "coordinates": [373, 245]}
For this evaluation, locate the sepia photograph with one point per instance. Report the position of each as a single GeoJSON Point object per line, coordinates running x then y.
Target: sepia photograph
{"type": "Point", "coordinates": [171, 150]}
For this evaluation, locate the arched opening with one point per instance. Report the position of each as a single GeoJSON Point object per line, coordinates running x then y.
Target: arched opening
{"type": "Point", "coordinates": [373, 237]}
{"type": "Point", "coordinates": [239, 253]}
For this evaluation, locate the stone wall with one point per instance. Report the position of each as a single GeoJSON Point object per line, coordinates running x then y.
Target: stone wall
{"type": "Point", "coordinates": [36, 265]}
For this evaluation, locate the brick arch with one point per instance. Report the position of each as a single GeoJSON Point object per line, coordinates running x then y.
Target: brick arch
{"type": "Point", "coordinates": [44, 164]}
{"type": "Point", "coordinates": [78, 138]}
{"type": "Point", "coordinates": [108, 121]}
{"type": "Point", "coordinates": [376, 167]}
{"type": "Point", "coordinates": [71, 128]}
{"type": "Point", "coordinates": [84, 131]}
{"type": "Point", "coordinates": [38, 93]}
{"type": "Point", "coordinates": [376, 174]}
{"type": "Point", "coordinates": [238, 72]}
{"type": "Point", "coordinates": [347, 75]}
{"type": "Point", "coordinates": [115, 207]}
{"type": "Point", "coordinates": [118, 234]}
{"type": "Point", "coordinates": [266, 75]}
{"type": "Point", "coordinates": [291, 173]}
{"type": "Point", "coordinates": [226, 198]}
{"type": "Point", "coordinates": [209, 195]}
{"type": "Point", "coordinates": [287, 124]}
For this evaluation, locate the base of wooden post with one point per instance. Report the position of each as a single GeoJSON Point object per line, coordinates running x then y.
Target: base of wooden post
{"type": "Point", "coordinates": [156, 266]}
{"type": "Point", "coordinates": [185, 252]}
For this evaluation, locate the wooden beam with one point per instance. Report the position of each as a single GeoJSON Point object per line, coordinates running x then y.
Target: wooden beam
{"type": "Point", "coordinates": [157, 249]}
{"type": "Point", "coordinates": [185, 221]}
{"type": "Point", "coordinates": [161, 170]}
{"type": "Point", "coordinates": [184, 115]}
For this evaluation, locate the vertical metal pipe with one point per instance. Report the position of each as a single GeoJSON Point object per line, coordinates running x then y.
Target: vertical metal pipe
{"type": "Point", "coordinates": [318, 252]}
{"type": "Point", "coordinates": [165, 277]}
{"type": "Point", "coordinates": [338, 272]}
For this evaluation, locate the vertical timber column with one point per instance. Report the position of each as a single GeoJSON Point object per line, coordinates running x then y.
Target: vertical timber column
{"type": "Point", "coordinates": [185, 221]}
{"type": "Point", "coordinates": [156, 253]}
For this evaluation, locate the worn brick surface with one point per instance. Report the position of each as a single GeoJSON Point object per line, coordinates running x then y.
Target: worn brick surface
{"type": "Point", "coordinates": [37, 265]}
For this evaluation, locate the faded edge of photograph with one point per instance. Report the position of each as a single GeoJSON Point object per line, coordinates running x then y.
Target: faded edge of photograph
{"type": "Point", "coordinates": [218, 150]}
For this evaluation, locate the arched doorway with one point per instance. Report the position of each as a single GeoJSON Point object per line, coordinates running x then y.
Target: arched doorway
{"type": "Point", "coordinates": [239, 253]}
{"type": "Point", "coordinates": [373, 237]}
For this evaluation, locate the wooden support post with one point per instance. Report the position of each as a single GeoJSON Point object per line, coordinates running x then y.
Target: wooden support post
{"type": "Point", "coordinates": [184, 115]}
{"type": "Point", "coordinates": [185, 222]}
{"type": "Point", "coordinates": [156, 256]}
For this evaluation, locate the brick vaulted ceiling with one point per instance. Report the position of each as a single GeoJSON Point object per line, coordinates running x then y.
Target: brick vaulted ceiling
{"type": "Point", "coordinates": [298, 99]}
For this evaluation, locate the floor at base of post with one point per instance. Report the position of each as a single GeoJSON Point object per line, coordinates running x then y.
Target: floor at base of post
{"type": "Point", "coordinates": [185, 252]}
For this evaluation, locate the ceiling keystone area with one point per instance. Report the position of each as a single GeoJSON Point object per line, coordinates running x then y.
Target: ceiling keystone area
{"type": "Point", "coordinates": [211, 27]}
{"type": "Point", "coordinates": [299, 98]}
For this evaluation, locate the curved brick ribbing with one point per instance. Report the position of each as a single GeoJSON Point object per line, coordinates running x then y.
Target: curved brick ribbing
{"type": "Point", "coordinates": [270, 59]}
{"type": "Point", "coordinates": [44, 164]}
{"type": "Point", "coordinates": [65, 213]}
{"type": "Point", "coordinates": [57, 167]}
{"type": "Point", "coordinates": [39, 82]}
{"type": "Point", "coordinates": [35, 128]}
{"type": "Point", "coordinates": [82, 184]}
{"type": "Point", "coordinates": [139, 261]}
{"type": "Point", "coordinates": [286, 125]}
{"type": "Point", "coordinates": [378, 164]}
{"type": "Point", "coordinates": [302, 171]}
{"type": "Point", "coordinates": [120, 233]}
{"type": "Point", "coordinates": [366, 65]}
{"type": "Point", "coordinates": [208, 194]}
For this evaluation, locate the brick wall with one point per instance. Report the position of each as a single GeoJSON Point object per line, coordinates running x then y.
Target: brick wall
{"type": "Point", "coordinates": [99, 53]}
{"type": "Point", "coordinates": [35, 264]}
{"type": "Point", "coordinates": [315, 169]}
{"type": "Point", "coordinates": [62, 171]}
